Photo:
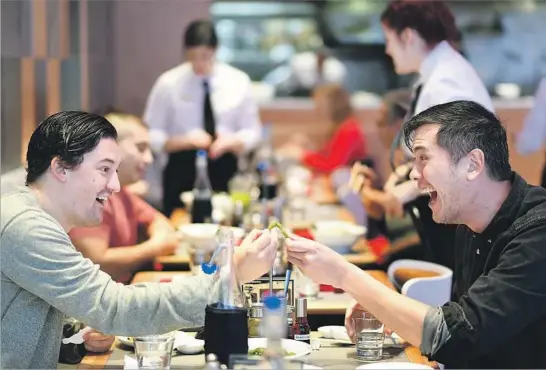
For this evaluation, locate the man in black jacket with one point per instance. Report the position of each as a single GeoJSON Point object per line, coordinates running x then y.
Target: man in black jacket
{"type": "Point", "coordinates": [498, 316]}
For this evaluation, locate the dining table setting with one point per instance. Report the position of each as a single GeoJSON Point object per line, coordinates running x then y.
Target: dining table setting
{"type": "Point", "coordinates": [325, 346]}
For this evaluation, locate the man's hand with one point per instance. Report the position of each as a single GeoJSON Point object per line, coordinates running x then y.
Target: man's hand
{"type": "Point", "coordinates": [361, 176]}
{"type": "Point", "coordinates": [97, 342]}
{"type": "Point", "coordinates": [355, 310]}
{"type": "Point", "coordinates": [224, 144]}
{"type": "Point", "coordinates": [390, 204]}
{"type": "Point", "coordinates": [165, 242]}
{"type": "Point", "coordinates": [256, 254]}
{"type": "Point", "coordinates": [314, 259]}
{"type": "Point", "coordinates": [199, 139]}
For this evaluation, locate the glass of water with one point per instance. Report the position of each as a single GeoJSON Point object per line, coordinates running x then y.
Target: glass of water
{"type": "Point", "coordinates": [154, 351]}
{"type": "Point", "coordinates": [370, 337]}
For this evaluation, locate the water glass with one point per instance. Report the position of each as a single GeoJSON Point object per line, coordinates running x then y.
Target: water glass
{"type": "Point", "coordinates": [154, 351]}
{"type": "Point", "coordinates": [370, 337]}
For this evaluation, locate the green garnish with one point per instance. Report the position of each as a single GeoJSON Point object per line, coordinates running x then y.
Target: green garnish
{"type": "Point", "coordinates": [260, 352]}
{"type": "Point", "coordinates": [278, 225]}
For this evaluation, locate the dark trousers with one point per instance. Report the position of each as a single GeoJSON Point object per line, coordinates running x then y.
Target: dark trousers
{"type": "Point", "coordinates": [179, 176]}
{"type": "Point", "coordinates": [543, 182]}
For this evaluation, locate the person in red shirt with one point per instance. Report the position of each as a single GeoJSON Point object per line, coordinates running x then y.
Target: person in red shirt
{"type": "Point", "coordinates": [115, 244]}
{"type": "Point", "coordinates": [346, 144]}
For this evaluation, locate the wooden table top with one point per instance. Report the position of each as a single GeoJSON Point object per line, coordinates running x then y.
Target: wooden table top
{"type": "Point", "coordinates": [99, 361]}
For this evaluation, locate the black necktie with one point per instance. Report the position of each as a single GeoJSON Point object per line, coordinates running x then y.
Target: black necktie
{"type": "Point", "coordinates": [208, 115]}
{"type": "Point", "coordinates": [414, 99]}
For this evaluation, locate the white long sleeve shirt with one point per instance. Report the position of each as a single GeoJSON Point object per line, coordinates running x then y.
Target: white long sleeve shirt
{"type": "Point", "coordinates": [175, 105]}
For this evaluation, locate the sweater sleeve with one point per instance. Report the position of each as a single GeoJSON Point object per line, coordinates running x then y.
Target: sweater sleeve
{"type": "Point", "coordinates": [340, 150]}
{"type": "Point", "coordinates": [38, 256]}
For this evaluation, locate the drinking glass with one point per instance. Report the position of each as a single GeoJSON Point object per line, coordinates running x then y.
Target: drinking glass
{"type": "Point", "coordinates": [370, 337]}
{"type": "Point", "coordinates": [154, 351]}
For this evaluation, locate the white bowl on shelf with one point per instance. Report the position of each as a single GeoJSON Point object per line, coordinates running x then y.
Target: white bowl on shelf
{"type": "Point", "coordinates": [341, 236]}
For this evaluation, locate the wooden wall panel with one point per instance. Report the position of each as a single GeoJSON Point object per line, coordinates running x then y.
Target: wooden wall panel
{"type": "Point", "coordinates": [28, 103]}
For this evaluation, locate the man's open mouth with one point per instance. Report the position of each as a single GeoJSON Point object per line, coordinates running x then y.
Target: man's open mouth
{"type": "Point", "coordinates": [433, 195]}
{"type": "Point", "coordinates": [101, 200]}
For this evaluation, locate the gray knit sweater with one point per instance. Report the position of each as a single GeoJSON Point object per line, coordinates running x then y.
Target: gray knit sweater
{"type": "Point", "coordinates": [44, 279]}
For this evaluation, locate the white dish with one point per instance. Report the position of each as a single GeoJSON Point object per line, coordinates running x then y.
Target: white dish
{"type": "Point", "coordinates": [300, 349]}
{"type": "Point", "coordinates": [338, 235]}
{"type": "Point", "coordinates": [203, 236]}
{"type": "Point", "coordinates": [393, 365]}
{"type": "Point", "coordinates": [339, 333]}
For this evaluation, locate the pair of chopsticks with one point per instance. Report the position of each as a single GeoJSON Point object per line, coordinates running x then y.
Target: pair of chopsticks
{"type": "Point", "coordinates": [278, 225]}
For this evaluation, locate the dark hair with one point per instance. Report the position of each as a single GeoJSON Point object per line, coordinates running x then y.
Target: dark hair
{"type": "Point", "coordinates": [432, 19]}
{"type": "Point", "coordinates": [464, 126]}
{"type": "Point", "coordinates": [200, 33]}
{"type": "Point", "coordinates": [398, 103]}
{"type": "Point", "coordinates": [67, 135]}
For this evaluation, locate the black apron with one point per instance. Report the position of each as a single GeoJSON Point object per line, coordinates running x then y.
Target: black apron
{"type": "Point", "coordinates": [179, 174]}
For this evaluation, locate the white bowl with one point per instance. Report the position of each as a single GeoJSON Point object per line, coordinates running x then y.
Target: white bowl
{"type": "Point", "coordinates": [338, 235]}
{"type": "Point", "coordinates": [191, 346]}
{"type": "Point", "coordinates": [300, 349]}
{"type": "Point", "coordinates": [203, 236]}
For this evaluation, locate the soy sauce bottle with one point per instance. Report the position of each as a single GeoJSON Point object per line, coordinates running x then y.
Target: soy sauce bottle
{"type": "Point", "coordinates": [201, 210]}
{"type": "Point", "coordinates": [300, 328]}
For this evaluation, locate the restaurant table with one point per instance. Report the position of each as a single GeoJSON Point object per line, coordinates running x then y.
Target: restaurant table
{"type": "Point", "coordinates": [331, 355]}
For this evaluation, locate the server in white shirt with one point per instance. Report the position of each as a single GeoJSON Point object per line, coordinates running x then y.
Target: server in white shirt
{"type": "Point", "coordinates": [201, 104]}
{"type": "Point", "coordinates": [419, 36]}
{"type": "Point", "coordinates": [533, 133]}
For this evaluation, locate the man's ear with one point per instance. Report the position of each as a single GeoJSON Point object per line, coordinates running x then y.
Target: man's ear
{"type": "Point", "coordinates": [476, 163]}
{"type": "Point", "coordinates": [58, 169]}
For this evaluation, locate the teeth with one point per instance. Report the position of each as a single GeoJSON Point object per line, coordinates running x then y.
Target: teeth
{"type": "Point", "coordinates": [428, 190]}
{"type": "Point", "coordinates": [102, 198]}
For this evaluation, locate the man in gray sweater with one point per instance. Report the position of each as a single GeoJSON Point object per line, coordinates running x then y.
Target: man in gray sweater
{"type": "Point", "coordinates": [72, 160]}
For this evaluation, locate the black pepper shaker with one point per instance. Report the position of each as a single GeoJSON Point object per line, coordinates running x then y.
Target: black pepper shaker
{"type": "Point", "coordinates": [301, 329]}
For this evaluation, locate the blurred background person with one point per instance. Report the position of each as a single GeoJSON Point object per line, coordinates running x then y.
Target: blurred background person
{"type": "Point", "coordinates": [305, 72]}
{"type": "Point", "coordinates": [201, 104]}
{"type": "Point", "coordinates": [346, 142]}
{"type": "Point", "coordinates": [132, 232]}
{"type": "Point", "coordinates": [533, 133]}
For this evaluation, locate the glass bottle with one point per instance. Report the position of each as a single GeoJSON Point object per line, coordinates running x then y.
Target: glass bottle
{"type": "Point", "coordinates": [301, 329]}
{"type": "Point", "coordinates": [274, 329]}
{"type": "Point", "coordinates": [201, 210]}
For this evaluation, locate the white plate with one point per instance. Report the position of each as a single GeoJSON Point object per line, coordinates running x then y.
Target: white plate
{"type": "Point", "coordinates": [300, 349]}
{"type": "Point", "coordinates": [393, 365]}
{"type": "Point", "coordinates": [126, 341]}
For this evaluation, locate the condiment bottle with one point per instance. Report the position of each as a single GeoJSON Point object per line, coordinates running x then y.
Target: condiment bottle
{"type": "Point", "coordinates": [255, 320]}
{"type": "Point", "coordinates": [300, 328]}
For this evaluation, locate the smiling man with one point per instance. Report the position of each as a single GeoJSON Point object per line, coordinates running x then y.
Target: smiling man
{"type": "Point", "coordinates": [115, 244]}
{"type": "Point", "coordinates": [498, 316]}
{"type": "Point", "coordinates": [72, 162]}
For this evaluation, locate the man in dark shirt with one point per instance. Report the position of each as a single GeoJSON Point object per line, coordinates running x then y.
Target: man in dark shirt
{"type": "Point", "coordinates": [498, 316]}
